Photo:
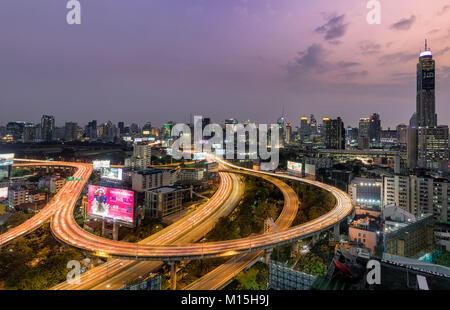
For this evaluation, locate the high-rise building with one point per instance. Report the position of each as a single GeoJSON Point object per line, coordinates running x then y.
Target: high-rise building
{"type": "Point", "coordinates": [91, 130]}
{"type": "Point", "coordinates": [134, 129]}
{"type": "Point", "coordinates": [281, 125]}
{"type": "Point", "coordinates": [351, 136]}
{"type": "Point", "coordinates": [47, 127]}
{"type": "Point", "coordinates": [402, 134]}
{"type": "Point", "coordinates": [288, 136]}
{"type": "Point", "coordinates": [142, 157]}
{"type": "Point", "coordinates": [334, 133]}
{"type": "Point", "coordinates": [2, 131]}
{"type": "Point", "coordinates": [411, 146]}
{"type": "Point", "coordinates": [71, 131]}
{"type": "Point", "coordinates": [15, 130]}
{"type": "Point", "coordinates": [166, 130]}
{"type": "Point", "coordinates": [432, 148]}
{"type": "Point", "coordinates": [313, 125]}
{"type": "Point", "coordinates": [419, 195]}
{"type": "Point", "coordinates": [121, 126]}
{"type": "Point", "coordinates": [375, 129]}
{"type": "Point", "coordinates": [363, 133]}
{"type": "Point", "coordinates": [413, 120]}
{"type": "Point", "coordinates": [305, 129]}
{"type": "Point", "coordinates": [30, 132]}
{"type": "Point", "coordinates": [147, 129]}
{"type": "Point", "coordinates": [425, 101]}
{"type": "Point", "coordinates": [109, 132]}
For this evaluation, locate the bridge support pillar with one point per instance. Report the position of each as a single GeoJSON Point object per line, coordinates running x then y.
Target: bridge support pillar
{"type": "Point", "coordinates": [336, 232]}
{"type": "Point", "coordinates": [103, 228]}
{"type": "Point", "coordinates": [173, 275]}
{"type": "Point", "coordinates": [315, 238]}
{"type": "Point", "coordinates": [267, 254]}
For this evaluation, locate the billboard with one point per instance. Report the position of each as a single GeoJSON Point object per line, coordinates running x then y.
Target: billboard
{"type": "Point", "coordinates": [6, 159]}
{"type": "Point", "coordinates": [3, 193]}
{"type": "Point", "coordinates": [293, 166]}
{"type": "Point", "coordinates": [99, 164]}
{"type": "Point", "coordinates": [112, 203]}
{"type": "Point", "coordinates": [111, 174]}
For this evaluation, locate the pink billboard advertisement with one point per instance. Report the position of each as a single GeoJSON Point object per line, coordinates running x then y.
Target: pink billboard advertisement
{"type": "Point", "coordinates": [111, 203]}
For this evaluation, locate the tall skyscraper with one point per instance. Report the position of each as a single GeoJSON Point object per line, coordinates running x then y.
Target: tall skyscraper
{"type": "Point", "coordinates": [288, 136]}
{"type": "Point", "coordinates": [363, 133]}
{"type": "Point", "coordinates": [425, 103]}
{"type": "Point", "coordinates": [305, 129]}
{"type": "Point", "coordinates": [401, 134]}
{"type": "Point", "coordinates": [91, 130]}
{"type": "Point", "coordinates": [313, 125]}
{"type": "Point", "coordinates": [47, 127]}
{"type": "Point", "coordinates": [121, 126]}
{"type": "Point", "coordinates": [71, 131]}
{"type": "Point", "coordinates": [375, 128]}
{"type": "Point", "coordinates": [281, 124]}
{"type": "Point", "coordinates": [334, 133]}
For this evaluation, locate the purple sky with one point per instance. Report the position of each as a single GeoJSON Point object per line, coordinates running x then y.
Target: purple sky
{"type": "Point", "coordinates": [160, 60]}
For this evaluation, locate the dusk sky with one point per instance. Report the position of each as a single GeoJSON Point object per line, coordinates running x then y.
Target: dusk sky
{"type": "Point", "coordinates": [160, 60]}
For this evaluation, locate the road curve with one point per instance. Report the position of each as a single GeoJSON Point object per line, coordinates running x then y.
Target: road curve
{"type": "Point", "coordinates": [116, 272]}
{"type": "Point", "coordinates": [65, 228]}
{"type": "Point", "coordinates": [224, 273]}
{"type": "Point", "coordinates": [82, 170]}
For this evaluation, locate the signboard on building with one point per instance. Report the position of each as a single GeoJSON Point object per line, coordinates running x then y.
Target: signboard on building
{"type": "Point", "coordinates": [294, 167]}
{"type": "Point", "coordinates": [111, 174]}
{"type": "Point", "coordinates": [111, 203]}
{"type": "Point", "coordinates": [6, 159]}
{"type": "Point", "coordinates": [99, 164]}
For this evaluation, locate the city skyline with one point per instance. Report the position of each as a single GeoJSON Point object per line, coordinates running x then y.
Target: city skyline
{"type": "Point", "coordinates": [228, 69]}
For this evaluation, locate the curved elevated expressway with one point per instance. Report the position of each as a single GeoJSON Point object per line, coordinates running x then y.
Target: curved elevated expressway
{"type": "Point", "coordinates": [65, 229]}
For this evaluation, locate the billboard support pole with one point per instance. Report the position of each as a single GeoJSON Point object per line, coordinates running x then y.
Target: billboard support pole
{"type": "Point", "coordinates": [115, 231]}
{"type": "Point", "coordinates": [103, 228]}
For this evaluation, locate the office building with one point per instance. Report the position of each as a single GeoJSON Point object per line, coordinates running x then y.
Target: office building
{"type": "Point", "coordinates": [142, 157]}
{"type": "Point", "coordinates": [375, 129]}
{"type": "Point", "coordinates": [47, 127]}
{"type": "Point", "coordinates": [288, 135]}
{"type": "Point", "coordinates": [150, 178]}
{"type": "Point", "coordinates": [425, 101]}
{"type": "Point", "coordinates": [71, 131]}
{"type": "Point", "coordinates": [432, 148]}
{"type": "Point", "coordinates": [15, 130]}
{"type": "Point", "coordinates": [402, 136]}
{"type": "Point", "coordinates": [163, 201]}
{"type": "Point", "coordinates": [334, 133]}
{"type": "Point", "coordinates": [419, 195]}
{"type": "Point", "coordinates": [363, 134]}
{"type": "Point", "coordinates": [305, 129]}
